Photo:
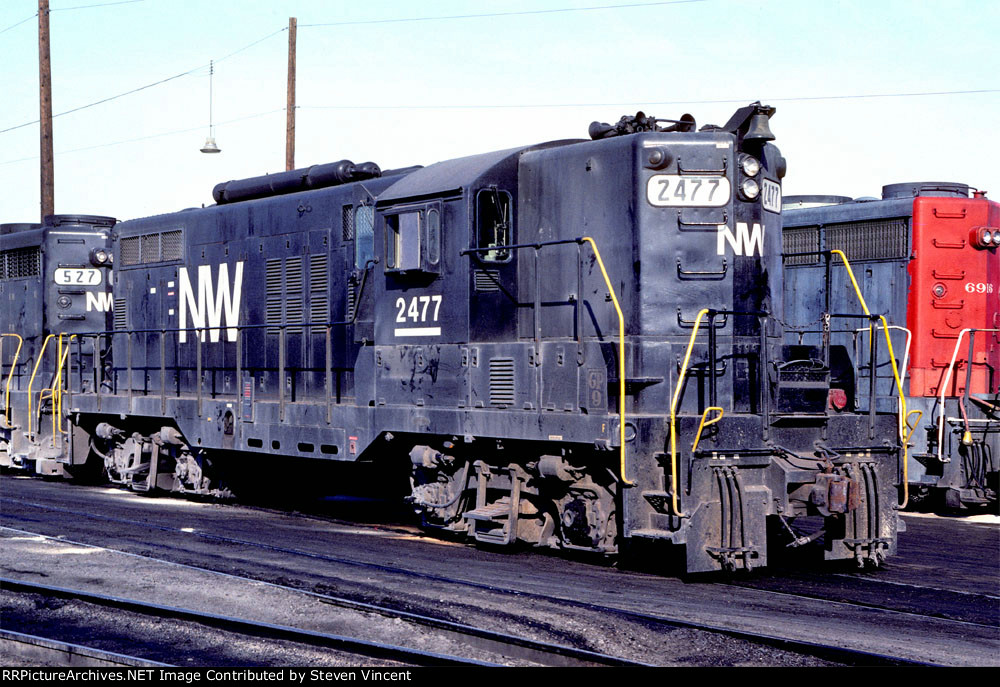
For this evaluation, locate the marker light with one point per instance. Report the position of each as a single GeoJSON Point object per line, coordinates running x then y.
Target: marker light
{"type": "Point", "coordinates": [984, 237]}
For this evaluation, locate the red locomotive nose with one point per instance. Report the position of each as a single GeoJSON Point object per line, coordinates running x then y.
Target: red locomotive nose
{"type": "Point", "coordinates": [837, 399]}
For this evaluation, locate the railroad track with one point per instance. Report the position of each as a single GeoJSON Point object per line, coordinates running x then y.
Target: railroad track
{"type": "Point", "coordinates": [340, 643]}
{"type": "Point", "coordinates": [494, 588]}
{"type": "Point", "coordinates": [489, 641]}
{"type": "Point", "coordinates": [44, 651]}
{"type": "Point", "coordinates": [824, 651]}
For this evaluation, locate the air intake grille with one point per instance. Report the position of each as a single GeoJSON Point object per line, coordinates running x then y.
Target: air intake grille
{"type": "Point", "coordinates": [120, 314]}
{"type": "Point", "coordinates": [502, 382]}
{"type": "Point", "coordinates": [293, 294]}
{"type": "Point", "coordinates": [319, 301]}
{"type": "Point", "coordinates": [272, 279]}
{"type": "Point", "coordinates": [347, 220]}
{"type": "Point", "coordinates": [487, 280]}
{"type": "Point", "coordinates": [874, 240]}
{"type": "Point", "coordinates": [800, 240]}
{"type": "Point", "coordinates": [150, 248]}
{"type": "Point", "coordinates": [20, 263]}
{"type": "Point", "coordinates": [154, 247]}
{"type": "Point", "coordinates": [172, 245]}
{"type": "Point", "coordinates": [351, 300]}
{"type": "Point", "coordinates": [130, 251]}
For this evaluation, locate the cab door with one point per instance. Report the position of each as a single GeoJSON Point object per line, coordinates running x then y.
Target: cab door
{"type": "Point", "coordinates": [493, 268]}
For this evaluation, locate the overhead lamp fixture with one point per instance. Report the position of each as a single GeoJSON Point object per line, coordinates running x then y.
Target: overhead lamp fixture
{"type": "Point", "coordinates": [210, 145]}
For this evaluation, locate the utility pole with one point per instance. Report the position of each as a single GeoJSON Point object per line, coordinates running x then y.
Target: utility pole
{"type": "Point", "coordinates": [45, 111]}
{"type": "Point", "coordinates": [290, 105]}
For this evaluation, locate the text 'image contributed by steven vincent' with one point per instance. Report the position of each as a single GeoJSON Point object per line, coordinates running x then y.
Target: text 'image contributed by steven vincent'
{"type": "Point", "coordinates": [189, 676]}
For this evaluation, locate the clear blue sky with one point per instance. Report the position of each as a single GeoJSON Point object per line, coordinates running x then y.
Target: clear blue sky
{"type": "Point", "coordinates": [414, 92]}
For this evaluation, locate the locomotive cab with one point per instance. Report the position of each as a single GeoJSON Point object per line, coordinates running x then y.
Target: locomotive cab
{"type": "Point", "coordinates": [55, 282]}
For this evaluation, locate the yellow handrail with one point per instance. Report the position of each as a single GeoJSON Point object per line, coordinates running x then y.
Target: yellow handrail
{"type": "Point", "coordinates": [674, 488]}
{"type": "Point", "coordinates": [895, 374]}
{"type": "Point", "coordinates": [31, 382]}
{"type": "Point", "coordinates": [57, 391]}
{"type": "Point", "coordinates": [10, 375]}
{"type": "Point", "coordinates": [621, 359]}
{"type": "Point", "coordinates": [703, 425]}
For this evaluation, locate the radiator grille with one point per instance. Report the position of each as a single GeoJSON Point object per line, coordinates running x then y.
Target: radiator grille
{"type": "Point", "coordinates": [502, 382]}
{"type": "Point", "coordinates": [871, 240]}
{"type": "Point", "coordinates": [800, 240]}
{"type": "Point", "coordinates": [19, 263]}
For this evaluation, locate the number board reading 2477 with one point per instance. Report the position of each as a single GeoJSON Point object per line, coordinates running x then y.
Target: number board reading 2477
{"type": "Point", "coordinates": [674, 190]}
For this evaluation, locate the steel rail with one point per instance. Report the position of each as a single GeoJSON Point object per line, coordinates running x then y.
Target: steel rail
{"type": "Point", "coordinates": [248, 627]}
{"type": "Point", "coordinates": [809, 648]}
{"type": "Point", "coordinates": [498, 642]}
{"type": "Point", "coordinates": [53, 652]}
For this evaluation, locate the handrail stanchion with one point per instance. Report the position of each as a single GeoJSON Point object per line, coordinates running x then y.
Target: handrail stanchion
{"type": "Point", "coordinates": [128, 358]}
{"type": "Point", "coordinates": [895, 374]}
{"type": "Point", "coordinates": [703, 425]}
{"type": "Point", "coordinates": [198, 333]}
{"type": "Point", "coordinates": [56, 390]}
{"type": "Point", "coordinates": [163, 371]}
{"type": "Point", "coordinates": [944, 388]}
{"type": "Point", "coordinates": [31, 382]}
{"type": "Point", "coordinates": [621, 358]}
{"type": "Point", "coordinates": [711, 363]}
{"type": "Point", "coordinates": [10, 375]}
{"type": "Point", "coordinates": [281, 373]}
{"type": "Point", "coordinates": [536, 324]}
{"type": "Point", "coordinates": [674, 486]}
{"type": "Point", "coordinates": [327, 375]}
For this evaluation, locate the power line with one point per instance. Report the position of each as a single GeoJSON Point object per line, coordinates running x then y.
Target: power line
{"type": "Point", "coordinates": [375, 21]}
{"type": "Point", "coordinates": [505, 14]}
{"type": "Point", "coordinates": [857, 96]}
{"type": "Point", "coordinates": [146, 138]}
{"type": "Point", "coordinates": [105, 100]}
{"type": "Point", "coordinates": [64, 9]}
{"type": "Point", "coordinates": [19, 23]}
{"type": "Point", "coordinates": [142, 88]}
{"type": "Point", "coordinates": [87, 7]}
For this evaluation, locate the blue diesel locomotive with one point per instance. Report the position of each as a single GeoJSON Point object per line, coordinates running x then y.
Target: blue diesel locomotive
{"type": "Point", "coordinates": [572, 344]}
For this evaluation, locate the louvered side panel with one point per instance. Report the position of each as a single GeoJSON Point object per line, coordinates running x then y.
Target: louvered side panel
{"type": "Point", "coordinates": [502, 382]}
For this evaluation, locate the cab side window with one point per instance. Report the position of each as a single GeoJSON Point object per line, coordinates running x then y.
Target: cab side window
{"type": "Point", "coordinates": [402, 236]}
{"type": "Point", "coordinates": [493, 223]}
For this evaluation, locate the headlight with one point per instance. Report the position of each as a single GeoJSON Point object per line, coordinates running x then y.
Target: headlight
{"type": "Point", "coordinates": [996, 238]}
{"type": "Point", "coordinates": [987, 238]}
{"type": "Point", "coordinates": [750, 189]}
{"type": "Point", "coordinates": [99, 256]}
{"type": "Point", "coordinates": [750, 166]}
